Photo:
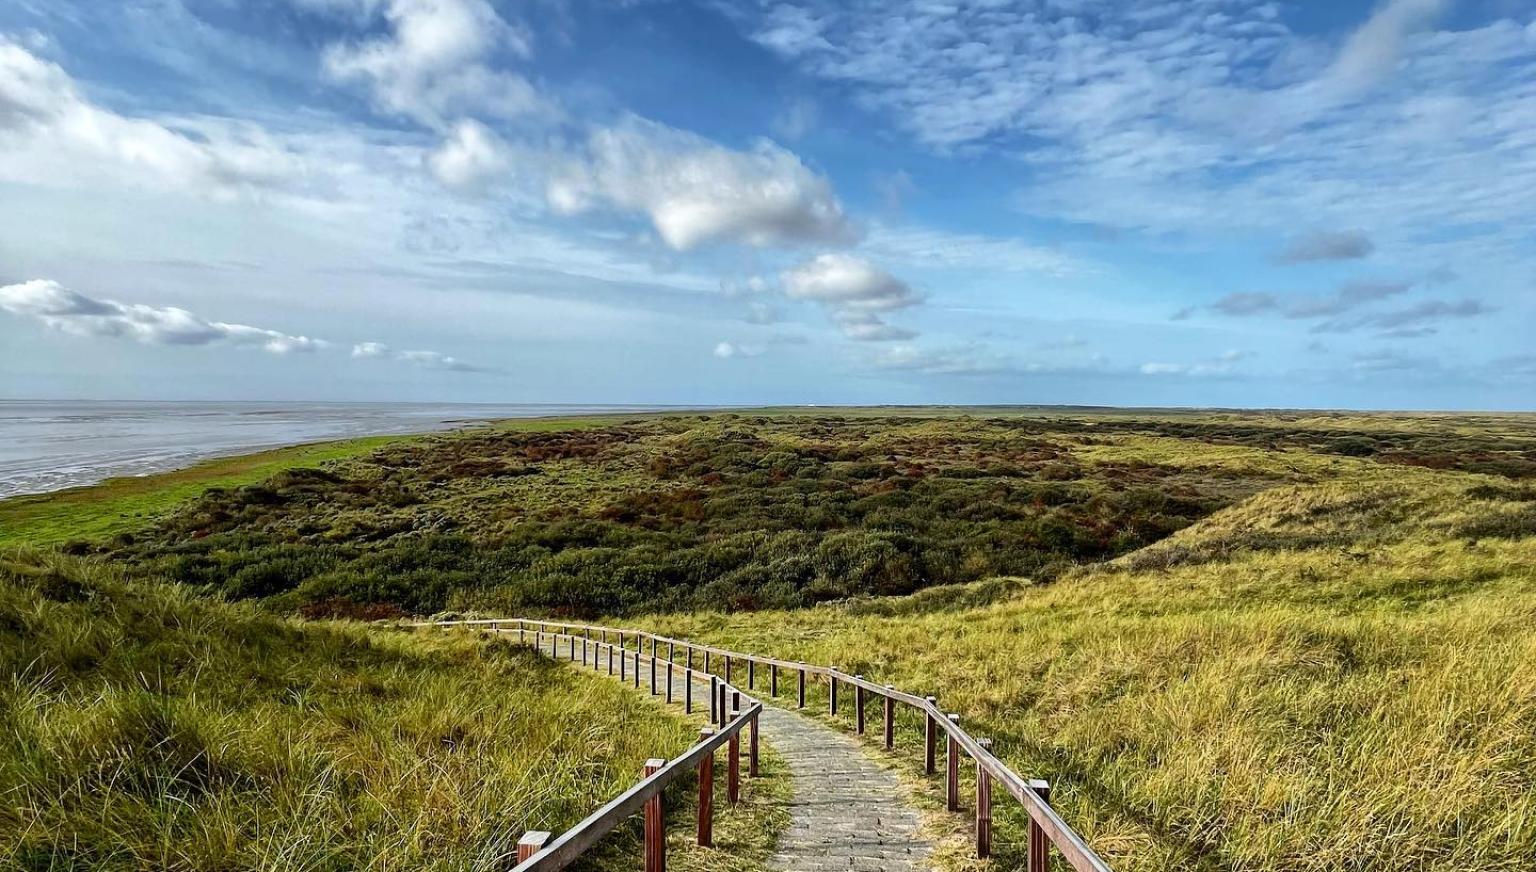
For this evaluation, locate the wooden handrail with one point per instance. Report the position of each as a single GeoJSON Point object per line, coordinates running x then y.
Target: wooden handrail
{"type": "Point", "coordinates": [1028, 794]}
{"type": "Point", "coordinates": [535, 852]}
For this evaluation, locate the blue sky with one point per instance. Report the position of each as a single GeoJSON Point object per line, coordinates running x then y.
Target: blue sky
{"type": "Point", "coordinates": [1212, 202]}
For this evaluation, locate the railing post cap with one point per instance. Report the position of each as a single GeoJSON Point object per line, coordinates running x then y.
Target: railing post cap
{"type": "Point", "coordinates": [953, 717]}
{"type": "Point", "coordinates": [932, 699]}
{"type": "Point", "coordinates": [1039, 784]}
{"type": "Point", "coordinates": [985, 743]}
{"type": "Point", "coordinates": [706, 732]}
{"type": "Point", "coordinates": [534, 838]}
{"type": "Point", "coordinates": [654, 763]}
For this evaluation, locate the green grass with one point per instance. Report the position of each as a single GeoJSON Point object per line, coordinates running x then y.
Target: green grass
{"type": "Point", "coordinates": [117, 505]}
{"type": "Point", "coordinates": [142, 727]}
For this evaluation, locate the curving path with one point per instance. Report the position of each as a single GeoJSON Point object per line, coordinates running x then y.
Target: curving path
{"type": "Point", "coordinates": [847, 812]}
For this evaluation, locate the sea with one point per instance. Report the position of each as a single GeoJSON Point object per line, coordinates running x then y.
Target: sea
{"type": "Point", "coordinates": [49, 445]}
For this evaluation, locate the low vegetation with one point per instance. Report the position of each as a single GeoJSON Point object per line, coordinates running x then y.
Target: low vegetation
{"type": "Point", "coordinates": [143, 727]}
{"type": "Point", "coordinates": [723, 511]}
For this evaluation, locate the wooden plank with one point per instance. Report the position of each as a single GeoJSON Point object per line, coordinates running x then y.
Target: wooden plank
{"type": "Point", "coordinates": [858, 707]}
{"type": "Point", "coordinates": [706, 828]}
{"type": "Point", "coordinates": [655, 823]}
{"type": "Point", "coordinates": [930, 739]}
{"type": "Point", "coordinates": [952, 771]}
{"type": "Point", "coordinates": [531, 843]}
{"type": "Point", "coordinates": [983, 808]}
{"type": "Point", "coordinates": [1039, 843]}
{"type": "Point", "coordinates": [890, 721]}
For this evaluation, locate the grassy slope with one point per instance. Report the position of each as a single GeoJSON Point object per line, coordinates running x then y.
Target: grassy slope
{"type": "Point", "coordinates": [141, 727]}
{"type": "Point", "coordinates": [118, 505]}
{"type": "Point", "coordinates": [1337, 675]}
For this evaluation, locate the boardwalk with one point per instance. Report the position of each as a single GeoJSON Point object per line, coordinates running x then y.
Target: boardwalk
{"type": "Point", "coordinates": [847, 812]}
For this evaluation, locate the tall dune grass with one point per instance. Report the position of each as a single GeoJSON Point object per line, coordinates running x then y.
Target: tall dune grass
{"type": "Point", "coordinates": [1330, 676]}
{"type": "Point", "coordinates": [144, 728]}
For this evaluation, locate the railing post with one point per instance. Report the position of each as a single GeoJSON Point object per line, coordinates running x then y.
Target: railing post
{"type": "Point", "coordinates": [688, 690]}
{"type": "Point", "coordinates": [671, 652]}
{"type": "Point", "coordinates": [572, 640]}
{"type": "Point", "coordinates": [655, 823]}
{"type": "Point", "coordinates": [832, 695]}
{"type": "Point", "coordinates": [653, 667]}
{"type": "Point", "coordinates": [930, 738]}
{"type": "Point", "coordinates": [735, 700]}
{"type": "Point", "coordinates": [1039, 844]}
{"type": "Point", "coordinates": [752, 747]}
{"type": "Point", "coordinates": [706, 661]}
{"type": "Point", "coordinates": [688, 653]}
{"type": "Point", "coordinates": [801, 690]}
{"type": "Point", "coordinates": [635, 676]}
{"type": "Point", "coordinates": [983, 806]}
{"type": "Point", "coordinates": [890, 718]}
{"type": "Point", "coordinates": [585, 644]}
{"type": "Point", "coordinates": [773, 679]}
{"type": "Point", "coordinates": [669, 681]}
{"type": "Point", "coordinates": [858, 706]}
{"type": "Point", "coordinates": [522, 633]}
{"type": "Point", "coordinates": [707, 794]}
{"type": "Point", "coordinates": [623, 661]}
{"type": "Point", "coordinates": [733, 766]}
{"type": "Point", "coordinates": [609, 646]}
{"type": "Point", "coordinates": [751, 673]}
{"type": "Point", "coordinates": [952, 771]}
{"type": "Point", "coordinates": [727, 668]}
{"type": "Point", "coordinates": [531, 843]}
{"type": "Point", "coordinates": [714, 698]}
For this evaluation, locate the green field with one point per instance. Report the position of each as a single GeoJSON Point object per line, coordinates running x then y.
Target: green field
{"type": "Point", "coordinates": [1233, 641]}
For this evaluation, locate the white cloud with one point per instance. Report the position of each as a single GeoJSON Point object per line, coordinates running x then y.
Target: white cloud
{"type": "Point", "coordinates": [434, 64]}
{"type": "Point", "coordinates": [471, 157]}
{"type": "Point", "coordinates": [425, 359]}
{"type": "Point", "coordinates": [847, 282]}
{"type": "Point", "coordinates": [855, 291]}
{"type": "Point", "coordinates": [1222, 364]}
{"type": "Point", "coordinates": [695, 191]}
{"type": "Point", "coordinates": [49, 132]}
{"type": "Point", "coordinates": [797, 118]}
{"type": "Point", "coordinates": [69, 311]}
{"type": "Point", "coordinates": [729, 350]}
{"type": "Point", "coordinates": [1208, 117]}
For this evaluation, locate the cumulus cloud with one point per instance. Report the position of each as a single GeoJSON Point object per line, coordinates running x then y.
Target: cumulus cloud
{"type": "Point", "coordinates": [1346, 245]}
{"type": "Point", "coordinates": [695, 191]}
{"type": "Point", "coordinates": [848, 282]}
{"type": "Point", "coordinates": [434, 64]}
{"type": "Point", "coordinates": [855, 291]}
{"type": "Point", "coordinates": [50, 131]}
{"type": "Point", "coordinates": [425, 359]}
{"type": "Point", "coordinates": [472, 156]}
{"type": "Point", "coordinates": [72, 312]}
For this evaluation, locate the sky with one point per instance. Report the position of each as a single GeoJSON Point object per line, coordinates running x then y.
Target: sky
{"type": "Point", "coordinates": [1195, 203]}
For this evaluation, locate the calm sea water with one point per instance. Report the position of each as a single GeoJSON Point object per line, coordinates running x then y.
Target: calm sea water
{"type": "Point", "coordinates": [45, 445]}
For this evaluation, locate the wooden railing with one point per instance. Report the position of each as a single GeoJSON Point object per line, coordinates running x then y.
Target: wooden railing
{"type": "Point", "coordinates": [1046, 827]}
{"type": "Point", "coordinates": [731, 710]}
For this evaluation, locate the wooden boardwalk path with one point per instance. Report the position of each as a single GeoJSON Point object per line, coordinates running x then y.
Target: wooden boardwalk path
{"type": "Point", "coordinates": [847, 812]}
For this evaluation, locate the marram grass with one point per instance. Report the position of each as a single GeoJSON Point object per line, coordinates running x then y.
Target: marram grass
{"type": "Point", "coordinates": [1352, 686]}
{"type": "Point", "coordinates": [144, 728]}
